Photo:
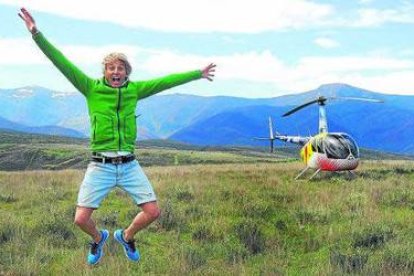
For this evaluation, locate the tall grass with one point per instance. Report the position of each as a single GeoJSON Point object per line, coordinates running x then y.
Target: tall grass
{"type": "Point", "coordinates": [229, 219]}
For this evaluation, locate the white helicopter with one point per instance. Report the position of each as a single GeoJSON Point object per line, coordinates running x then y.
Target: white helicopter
{"type": "Point", "coordinates": [325, 151]}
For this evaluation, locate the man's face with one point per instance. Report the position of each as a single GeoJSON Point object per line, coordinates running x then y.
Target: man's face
{"type": "Point", "coordinates": [115, 73]}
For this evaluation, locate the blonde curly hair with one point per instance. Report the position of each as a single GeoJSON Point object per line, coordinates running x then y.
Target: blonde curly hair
{"type": "Point", "coordinates": [117, 56]}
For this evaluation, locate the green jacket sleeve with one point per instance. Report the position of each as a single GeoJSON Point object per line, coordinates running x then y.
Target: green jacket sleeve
{"type": "Point", "coordinates": [81, 81]}
{"type": "Point", "coordinates": [151, 87]}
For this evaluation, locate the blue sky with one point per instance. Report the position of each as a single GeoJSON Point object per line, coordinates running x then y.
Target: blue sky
{"type": "Point", "coordinates": [263, 48]}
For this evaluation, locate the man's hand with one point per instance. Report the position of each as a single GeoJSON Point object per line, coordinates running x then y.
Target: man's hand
{"type": "Point", "coordinates": [28, 20]}
{"type": "Point", "coordinates": [207, 72]}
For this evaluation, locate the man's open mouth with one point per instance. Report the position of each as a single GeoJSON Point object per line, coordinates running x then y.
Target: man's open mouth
{"type": "Point", "coordinates": [116, 79]}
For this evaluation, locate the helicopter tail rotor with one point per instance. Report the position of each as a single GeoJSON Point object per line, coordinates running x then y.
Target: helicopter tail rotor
{"type": "Point", "coordinates": [271, 137]}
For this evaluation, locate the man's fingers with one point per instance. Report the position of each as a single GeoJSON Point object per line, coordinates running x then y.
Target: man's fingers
{"type": "Point", "coordinates": [21, 16]}
{"type": "Point", "coordinates": [24, 11]}
{"type": "Point", "coordinates": [26, 16]}
{"type": "Point", "coordinates": [210, 77]}
{"type": "Point", "coordinates": [208, 71]}
{"type": "Point", "coordinates": [211, 66]}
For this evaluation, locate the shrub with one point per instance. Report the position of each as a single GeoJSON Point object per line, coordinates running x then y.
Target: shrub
{"type": "Point", "coordinates": [311, 217]}
{"type": "Point", "coordinates": [184, 196]}
{"type": "Point", "coordinates": [349, 263]}
{"type": "Point", "coordinates": [109, 220]}
{"type": "Point", "coordinates": [7, 232]}
{"type": "Point", "coordinates": [194, 258]}
{"type": "Point", "coordinates": [168, 220]}
{"type": "Point", "coordinates": [372, 238]}
{"type": "Point", "coordinates": [203, 234]}
{"type": "Point", "coordinates": [250, 235]}
{"type": "Point", "coordinates": [399, 258]}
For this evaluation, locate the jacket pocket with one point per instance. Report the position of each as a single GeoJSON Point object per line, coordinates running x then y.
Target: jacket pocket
{"type": "Point", "coordinates": [130, 124]}
{"type": "Point", "coordinates": [103, 128]}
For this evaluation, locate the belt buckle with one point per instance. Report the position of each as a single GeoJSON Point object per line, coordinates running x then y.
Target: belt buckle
{"type": "Point", "coordinates": [117, 160]}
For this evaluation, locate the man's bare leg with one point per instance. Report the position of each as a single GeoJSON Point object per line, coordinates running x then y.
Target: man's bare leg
{"type": "Point", "coordinates": [84, 221]}
{"type": "Point", "coordinates": [150, 212]}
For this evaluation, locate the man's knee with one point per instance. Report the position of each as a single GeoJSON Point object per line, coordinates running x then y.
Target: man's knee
{"type": "Point", "coordinates": [80, 220]}
{"type": "Point", "coordinates": [82, 217]}
{"type": "Point", "coordinates": [152, 211]}
{"type": "Point", "coordinates": [155, 213]}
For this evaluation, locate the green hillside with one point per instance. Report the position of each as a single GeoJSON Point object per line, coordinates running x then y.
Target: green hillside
{"type": "Point", "coordinates": [21, 151]}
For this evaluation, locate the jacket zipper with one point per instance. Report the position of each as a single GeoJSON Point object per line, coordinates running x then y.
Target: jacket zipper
{"type": "Point", "coordinates": [94, 128]}
{"type": "Point", "coordinates": [117, 115]}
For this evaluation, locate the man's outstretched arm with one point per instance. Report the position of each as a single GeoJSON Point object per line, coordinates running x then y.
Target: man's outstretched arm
{"type": "Point", "coordinates": [70, 71]}
{"type": "Point", "coordinates": [151, 87]}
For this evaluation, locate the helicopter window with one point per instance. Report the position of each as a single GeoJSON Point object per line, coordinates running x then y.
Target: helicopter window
{"type": "Point", "coordinates": [320, 147]}
{"type": "Point", "coordinates": [340, 146]}
{"type": "Point", "coordinates": [350, 143]}
{"type": "Point", "coordinates": [317, 145]}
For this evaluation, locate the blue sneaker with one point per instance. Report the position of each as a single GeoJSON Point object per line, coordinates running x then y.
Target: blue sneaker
{"type": "Point", "coordinates": [96, 252]}
{"type": "Point", "coordinates": [129, 247]}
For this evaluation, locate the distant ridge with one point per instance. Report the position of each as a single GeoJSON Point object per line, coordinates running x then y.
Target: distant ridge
{"type": "Point", "coordinates": [223, 120]}
{"type": "Point", "coordinates": [49, 130]}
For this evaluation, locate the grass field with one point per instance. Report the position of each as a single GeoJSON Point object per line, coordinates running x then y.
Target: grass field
{"type": "Point", "coordinates": [220, 219]}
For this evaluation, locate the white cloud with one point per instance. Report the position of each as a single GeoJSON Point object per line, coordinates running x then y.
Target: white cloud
{"type": "Point", "coordinates": [375, 71]}
{"type": "Point", "coordinates": [326, 43]}
{"type": "Point", "coordinates": [251, 66]}
{"type": "Point", "coordinates": [228, 16]}
{"type": "Point", "coordinates": [375, 17]}
{"type": "Point", "coordinates": [190, 16]}
{"type": "Point", "coordinates": [22, 51]}
{"type": "Point", "coordinates": [380, 74]}
{"type": "Point", "coordinates": [19, 52]}
{"type": "Point", "coordinates": [407, 53]}
{"type": "Point", "coordinates": [392, 83]}
{"type": "Point", "coordinates": [352, 64]}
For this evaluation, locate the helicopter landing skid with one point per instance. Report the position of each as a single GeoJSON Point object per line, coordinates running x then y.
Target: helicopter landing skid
{"type": "Point", "coordinates": [313, 175]}
{"type": "Point", "coordinates": [304, 170]}
{"type": "Point", "coordinates": [301, 173]}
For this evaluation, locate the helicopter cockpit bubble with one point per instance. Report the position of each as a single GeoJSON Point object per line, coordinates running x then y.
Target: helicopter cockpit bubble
{"type": "Point", "coordinates": [340, 146]}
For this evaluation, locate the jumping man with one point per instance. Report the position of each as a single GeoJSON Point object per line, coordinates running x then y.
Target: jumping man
{"type": "Point", "coordinates": [112, 102]}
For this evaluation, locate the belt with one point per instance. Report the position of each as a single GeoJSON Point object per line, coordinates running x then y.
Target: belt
{"type": "Point", "coordinates": [113, 160]}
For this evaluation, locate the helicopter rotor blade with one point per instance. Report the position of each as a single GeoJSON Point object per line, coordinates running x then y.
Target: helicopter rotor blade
{"type": "Point", "coordinates": [359, 99]}
{"type": "Point", "coordinates": [321, 101]}
{"type": "Point", "coordinates": [300, 107]}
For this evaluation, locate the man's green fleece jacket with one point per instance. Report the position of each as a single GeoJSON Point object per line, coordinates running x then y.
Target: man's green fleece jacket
{"type": "Point", "coordinates": [111, 110]}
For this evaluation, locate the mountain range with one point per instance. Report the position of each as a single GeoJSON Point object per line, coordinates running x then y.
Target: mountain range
{"type": "Point", "coordinates": [223, 120]}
